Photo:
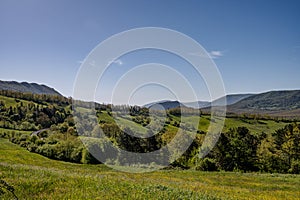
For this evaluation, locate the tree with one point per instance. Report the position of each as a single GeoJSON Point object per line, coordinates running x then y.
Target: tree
{"type": "Point", "coordinates": [280, 152]}
{"type": "Point", "coordinates": [236, 150]}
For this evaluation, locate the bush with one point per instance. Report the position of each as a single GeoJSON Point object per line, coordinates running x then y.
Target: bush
{"type": "Point", "coordinates": [24, 137]}
{"type": "Point", "coordinates": [207, 164]}
{"type": "Point", "coordinates": [295, 167]}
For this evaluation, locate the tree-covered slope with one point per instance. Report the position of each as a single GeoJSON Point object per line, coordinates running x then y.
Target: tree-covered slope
{"type": "Point", "coordinates": [25, 87]}
{"type": "Point", "coordinates": [273, 102]}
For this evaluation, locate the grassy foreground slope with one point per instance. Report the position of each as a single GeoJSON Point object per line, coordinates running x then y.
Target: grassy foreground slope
{"type": "Point", "coordinates": [36, 177]}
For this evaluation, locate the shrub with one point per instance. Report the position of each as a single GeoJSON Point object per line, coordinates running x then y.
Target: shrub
{"type": "Point", "coordinates": [207, 164]}
{"type": "Point", "coordinates": [295, 167]}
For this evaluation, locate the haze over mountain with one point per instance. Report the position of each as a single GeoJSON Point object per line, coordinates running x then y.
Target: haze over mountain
{"type": "Point", "coordinates": [27, 88]}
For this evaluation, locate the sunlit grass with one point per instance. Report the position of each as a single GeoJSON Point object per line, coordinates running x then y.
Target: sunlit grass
{"type": "Point", "coordinates": [13, 102]}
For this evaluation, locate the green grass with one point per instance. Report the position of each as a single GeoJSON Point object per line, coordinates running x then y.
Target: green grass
{"type": "Point", "coordinates": [255, 126]}
{"type": "Point", "coordinates": [9, 101]}
{"type": "Point", "coordinates": [36, 177]}
{"type": "Point", "coordinates": [105, 117]}
{"type": "Point", "coordinates": [135, 127]}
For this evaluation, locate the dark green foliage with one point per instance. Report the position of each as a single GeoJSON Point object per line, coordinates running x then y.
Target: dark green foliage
{"type": "Point", "coordinates": [281, 151]}
{"type": "Point", "coordinates": [207, 164]}
{"type": "Point", "coordinates": [33, 116]}
{"type": "Point", "coordinates": [236, 150]}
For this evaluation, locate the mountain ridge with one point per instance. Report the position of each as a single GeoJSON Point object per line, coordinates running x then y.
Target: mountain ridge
{"type": "Point", "coordinates": [230, 99]}
{"type": "Point", "coordinates": [268, 102]}
{"type": "Point", "coordinates": [26, 87]}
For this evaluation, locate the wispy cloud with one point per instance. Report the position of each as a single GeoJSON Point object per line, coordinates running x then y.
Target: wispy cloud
{"type": "Point", "coordinates": [118, 62]}
{"type": "Point", "coordinates": [216, 54]}
{"type": "Point", "coordinates": [212, 54]}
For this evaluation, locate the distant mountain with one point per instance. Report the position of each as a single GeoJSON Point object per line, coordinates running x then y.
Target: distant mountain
{"type": "Point", "coordinates": [230, 99]}
{"type": "Point", "coordinates": [197, 104]}
{"type": "Point", "coordinates": [164, 105]}
{"type": "Point", "coordinates": [27, 88]}
{"type": "Point", "coordinates": [272, 101]}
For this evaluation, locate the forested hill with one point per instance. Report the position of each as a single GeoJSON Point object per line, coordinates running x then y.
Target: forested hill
{"type": "Point", "coordinates": [273, 101]}
{"type": "Point", "coordinates": [25, 87]}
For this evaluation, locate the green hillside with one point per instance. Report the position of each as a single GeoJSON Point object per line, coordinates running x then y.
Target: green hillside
{"type": "Point", "coordinates": [273, 102]}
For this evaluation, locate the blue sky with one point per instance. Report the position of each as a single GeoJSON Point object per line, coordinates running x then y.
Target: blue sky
{"type": "Point", "coordinates": [255, 44]}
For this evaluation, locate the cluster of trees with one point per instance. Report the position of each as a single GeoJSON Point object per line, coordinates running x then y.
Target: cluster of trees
{"type": "Point", "coordinates": [67, 146]}
{"type": "Point", "coordinates": [31, 116]}
{"type": "Point", "coordinates": [280, 152]}
{"type": "Point", "coordinates": [240, 150]}
{"type": "Point", "coordinates": [51, 143]}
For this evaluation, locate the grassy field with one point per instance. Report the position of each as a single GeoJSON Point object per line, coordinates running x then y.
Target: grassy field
{"type": "Point", "coordinates": [9, 101]}
{"type": "Point", "coordinates": [255, 126]}
{"type": "Point", "coordinates": [36, 177]}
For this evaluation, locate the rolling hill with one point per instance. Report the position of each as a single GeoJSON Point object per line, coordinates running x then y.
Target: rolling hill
{"type": "Point", "coordinates": [25, 87]}
{"type": "Point", "coordinates": [279, 103]}
{"type": "Point", "coordinates": [285, 103]}
{"type": "Point", "coordinates": [164, 105]}
{"type": "Point", "coordinates": [230, 99]}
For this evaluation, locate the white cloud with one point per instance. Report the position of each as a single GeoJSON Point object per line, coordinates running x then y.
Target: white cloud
{"type": "Point", "coordinates": [215, 54]}
{"type": "Point", "coordinates": [212, 54]}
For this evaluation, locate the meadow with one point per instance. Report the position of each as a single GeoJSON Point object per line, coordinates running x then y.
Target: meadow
{"type": "Point", "coordinates": [36, 177]}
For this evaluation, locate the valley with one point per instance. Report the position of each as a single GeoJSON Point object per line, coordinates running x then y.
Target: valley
{"type": "Point", "coordinates": [259, 149]}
